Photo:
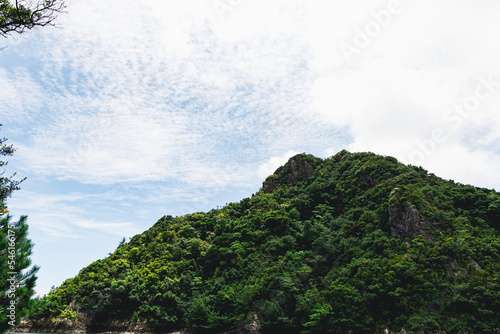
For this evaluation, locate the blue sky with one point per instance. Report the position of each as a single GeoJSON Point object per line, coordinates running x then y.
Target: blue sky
{"type": "Point", "coordinates": [128, 111]}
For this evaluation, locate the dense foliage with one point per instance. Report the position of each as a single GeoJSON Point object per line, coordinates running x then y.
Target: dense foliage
{"type": "Point", "coordinates": [313, 253]}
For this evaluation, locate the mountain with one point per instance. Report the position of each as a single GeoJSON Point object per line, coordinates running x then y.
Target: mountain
{"type": "Point", "coordinates": [354, 243]}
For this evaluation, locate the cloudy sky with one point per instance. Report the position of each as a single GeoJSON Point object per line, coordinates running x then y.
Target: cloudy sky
{"type": "Point", "coordinates": [131, 110]}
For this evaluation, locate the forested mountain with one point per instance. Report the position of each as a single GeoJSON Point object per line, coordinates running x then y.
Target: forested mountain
{"type": "Point", "coordinates": [354, 242]}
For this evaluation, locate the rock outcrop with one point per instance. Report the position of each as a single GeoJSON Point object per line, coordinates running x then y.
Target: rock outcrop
{"type": "Point", "coordinates": [299, 167]}
{"type": "Point", "coordinates": [406, 221]}
{"type": "Point", "coordinates": [85, 324]}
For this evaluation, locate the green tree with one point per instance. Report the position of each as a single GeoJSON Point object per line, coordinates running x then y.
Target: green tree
{"type": "Point", "coordinates": [7, 184]}
{"type": "Point", "coordinates": [18, 16]}
{"type": "Point", "coordinates": [17, 276]}
{"type": "Point", "coordinates": [121, 244]}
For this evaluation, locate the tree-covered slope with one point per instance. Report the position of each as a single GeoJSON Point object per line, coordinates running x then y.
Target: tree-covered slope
{"type": "Point", "coordinates": [355, 242]}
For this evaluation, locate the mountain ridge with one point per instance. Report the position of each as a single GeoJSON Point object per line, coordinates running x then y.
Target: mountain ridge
{"type": "Point", "coordinates": [356, 242]}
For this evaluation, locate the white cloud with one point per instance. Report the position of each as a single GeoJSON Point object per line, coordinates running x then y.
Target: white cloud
{"type": "Point", "coordinates": [124, 107]}
{"type": "Point", "coordinates": [468, 166]}
{"type": "Point", "coordinates": [395, 93]}
{"type": "Point", "coordinates": [70, 215]}
{"type": "Point", "coordinates": [190, 94]}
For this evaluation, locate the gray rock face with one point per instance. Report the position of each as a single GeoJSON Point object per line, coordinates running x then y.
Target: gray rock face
{"type": "Point", "coordinates": [406, 222]}
{"type": "Point", "coordinates": [86, 325]}
{"type": "Point", "coordinates": [296, 169]}
{"type": "Point", "coordinates": [83, 324]}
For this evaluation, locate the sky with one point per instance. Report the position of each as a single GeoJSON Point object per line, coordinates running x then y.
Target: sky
{"type": "Point", "coordinates": [131, 110]}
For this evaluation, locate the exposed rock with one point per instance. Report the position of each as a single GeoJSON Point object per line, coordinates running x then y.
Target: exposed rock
{"type": "Point", "coordinates": [371, 181]}
{"type": "Point", "coordinates": [46, 325]}
{"type": "Point", "coordinates": [84, 324]}
{"type": "Point", "coordinates": [299, 167]}
{"type": "Point", "coordinates": [251, 328]}
{"type": "Point", "coordinates": [474, 264]}
{"type": "Point", "coordinates": [406, 221]}
{"type": "Point", "coordinates": [340, 156]}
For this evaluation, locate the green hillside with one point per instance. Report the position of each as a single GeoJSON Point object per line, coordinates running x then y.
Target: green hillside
{"type": "Point", "coordinates": [354, 242]}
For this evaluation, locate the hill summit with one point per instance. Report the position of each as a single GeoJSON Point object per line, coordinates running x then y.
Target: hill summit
{"type": "Point", "coordinates": [354, 243]}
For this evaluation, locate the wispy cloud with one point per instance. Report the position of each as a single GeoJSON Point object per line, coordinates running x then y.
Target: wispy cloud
{"type": "Point", "coordinates": [179, 95]}
{"type": "Point", "coordinates": [121, 114]}
{"type": "Point", "coordinates": [70, 215]}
